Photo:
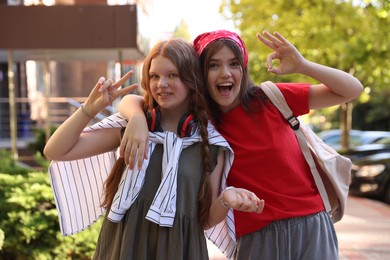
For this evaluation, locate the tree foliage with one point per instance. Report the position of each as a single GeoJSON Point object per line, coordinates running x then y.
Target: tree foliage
{"type": "Point", "coordinates": [181, 31]}
{"type": "Point", "coordinates": [353, 36]}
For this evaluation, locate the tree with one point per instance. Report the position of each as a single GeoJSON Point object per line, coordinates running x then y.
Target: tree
{"type": "Point", "coordinates": [181, 31]}
{"type": "Point", "coordinates": [353, 36]}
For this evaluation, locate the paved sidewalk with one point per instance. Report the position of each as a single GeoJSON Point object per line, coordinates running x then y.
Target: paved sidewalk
{"type": "Point", "coordinates": [363, 233]}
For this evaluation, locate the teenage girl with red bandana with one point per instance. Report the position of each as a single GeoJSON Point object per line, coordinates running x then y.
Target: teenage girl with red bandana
{"type": "Point", "coordinates": [268, 159]}
{"type": "Point", "coordinates": [159, 211]}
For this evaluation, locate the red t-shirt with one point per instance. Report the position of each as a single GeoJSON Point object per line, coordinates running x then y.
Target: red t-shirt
{"type": "Point", "coordinates": [268, 161]}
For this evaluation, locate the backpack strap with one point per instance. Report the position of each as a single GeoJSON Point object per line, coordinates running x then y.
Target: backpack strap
{"type": "Point", "coordinates": [277, 98]}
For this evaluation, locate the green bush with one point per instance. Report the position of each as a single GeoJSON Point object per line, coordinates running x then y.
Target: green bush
{"type": "Point", "coordinates": [9, 165]}
{"type": "Point", "coordinates": [29, 220]}
{"type": "Point", "coordinates": [40, 139]}
{"type": "Point", "coordinates": [42, 161]}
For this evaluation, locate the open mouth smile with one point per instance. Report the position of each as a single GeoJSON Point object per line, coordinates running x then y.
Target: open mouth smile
{"type": "Point", "coordinates": [225, 88]}
{"type": "Point", "coordinates": [165, 94]}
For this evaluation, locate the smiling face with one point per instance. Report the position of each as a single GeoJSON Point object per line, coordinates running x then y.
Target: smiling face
{"type": "Point", "coordinates": [224, 79]}
{"type": "Point", "coordinates": [166, 87]}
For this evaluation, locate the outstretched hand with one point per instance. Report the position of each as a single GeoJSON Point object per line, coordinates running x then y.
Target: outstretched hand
{"type": "Point", "coordinates": [290, 59]}
{"type": "Point", "coordinates": [243, 200]}
{"type": "Point", "coordinates": [105, 92]}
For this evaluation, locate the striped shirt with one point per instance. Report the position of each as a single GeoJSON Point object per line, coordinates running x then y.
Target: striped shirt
{"type": "Point", "coordinates": [78, 185]}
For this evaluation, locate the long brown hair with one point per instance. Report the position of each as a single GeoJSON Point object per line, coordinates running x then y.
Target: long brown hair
{"type": "Point", "coordinates": [247, 92]}
{"type": "Point", "coordinates": [112, 182]}
{"type": "Point", "coordinates": [183, 55]}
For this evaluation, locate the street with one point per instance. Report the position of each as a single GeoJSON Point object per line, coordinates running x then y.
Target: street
{"type": "Point", "coordinates": [363, 233]}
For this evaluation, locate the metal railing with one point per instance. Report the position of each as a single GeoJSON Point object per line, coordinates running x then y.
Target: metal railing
{"type": "Point", "coordinates": [54, 111]}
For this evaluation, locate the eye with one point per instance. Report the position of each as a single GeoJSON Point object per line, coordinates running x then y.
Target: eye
{"type": "Point", "coordinates": [213, 65]}
{"type": "Point", "coordinates": [153, 76]}
{"type": "Point", "coordinates": [235, 64]}
{"type": "Point", "coordinates": [173, 75]}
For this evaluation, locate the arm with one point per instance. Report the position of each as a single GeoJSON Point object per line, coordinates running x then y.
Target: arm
{"type": "Point", "coordinates": [136, 135]}
{"type": "Point", "coordinates": [235, 198]}
{"type": "Point", "coordinates": [69, 142]}
{"type": "Point", "coordinates": [336, 86]}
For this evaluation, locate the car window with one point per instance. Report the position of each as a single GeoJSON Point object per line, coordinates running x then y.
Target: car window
{"type": "Point", "coordinates": [333, 139]}
{"type": "Point", "coordinates": [354, 140]}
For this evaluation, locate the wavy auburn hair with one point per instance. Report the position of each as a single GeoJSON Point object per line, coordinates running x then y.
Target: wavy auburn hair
{"type": "Point", "coordinates": [182, 54]}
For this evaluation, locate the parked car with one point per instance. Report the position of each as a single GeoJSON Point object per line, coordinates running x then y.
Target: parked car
{"type": "Point", "coordinates": [370, 175]}
{"type": "Point", "coordinates": [356, 137]}
{"type": "Point", "coordinates": [332, 138]}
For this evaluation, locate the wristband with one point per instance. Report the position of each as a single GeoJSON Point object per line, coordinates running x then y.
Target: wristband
{"type": "Point", "coordinates": [85, 112]}
{"type": "Point", "coordinates": [224, 204]}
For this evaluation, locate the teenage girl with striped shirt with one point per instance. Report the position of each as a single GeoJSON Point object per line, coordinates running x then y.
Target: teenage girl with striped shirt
{"type": "Point", "coordinates": [159, 210]}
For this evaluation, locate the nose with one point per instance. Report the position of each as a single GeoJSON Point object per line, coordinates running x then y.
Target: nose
{"type": "Point", "coordinates": [225, 71]}
{"type": "Point", "coordinates": [163, 82]}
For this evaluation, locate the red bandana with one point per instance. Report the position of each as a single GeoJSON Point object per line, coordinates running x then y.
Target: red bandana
{"type": "Point", "coordinates": [204, 39]}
